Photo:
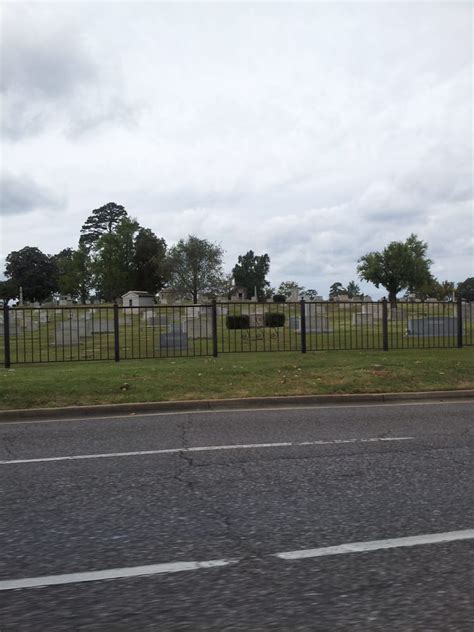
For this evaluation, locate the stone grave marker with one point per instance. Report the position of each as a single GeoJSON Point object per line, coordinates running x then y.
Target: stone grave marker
{"type": "Point", "coordinates": [294, 295]}
{"type": "Point", "coordinates": [373, 309]}
{"type": "Point", "coordinates": [83, 327]}
{"type": "Point", "coordinates": [397, 314]}
{"type": "Point", "coordinates": [467, 312]}
{"type": "Point", "coordinates": [31, 325]}
{"type": "Point", "coordinates": [175, 339]}
{"type": "Point", "coordinates": [175, 327]}
{"type": "Point", "coordinates": [151, 319]}
{"type": "Point", "coordinates": [362, 319]}
{"type": "Point", "coordinates": [316, 317]}
{"type": "Point", "coordinates": [433, 326]}
{"type": "Point", "coordinates": [316, 320]}
{"type": "Point", "coordinates": [17, 322]}
{"type": "Point", "coordinates": [101, 326]}
{"type": "Point", "coordinates": [43, 317]}
{"type": "Point", "coordinates": [197, 327]}
{"type": "Point", "coordinates": [65, 337]}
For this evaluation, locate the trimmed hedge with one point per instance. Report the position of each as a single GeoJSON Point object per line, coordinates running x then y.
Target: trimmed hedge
{"type": "Point", "coordinates": [241, 321]}
{"type": "Point", "coordinates": [274, 319]}
{"type": "Point", "coordinates": [279, 298]}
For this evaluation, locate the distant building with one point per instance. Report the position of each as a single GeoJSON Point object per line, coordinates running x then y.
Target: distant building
{"type": "Point", "coordinates": [137, 298]}
{"type": "Point", "coordinates": [238, 293]}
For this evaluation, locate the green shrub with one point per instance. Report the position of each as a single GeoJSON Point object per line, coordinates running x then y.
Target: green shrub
{"type": "Point", "coordinates": [274, 319]}
{"type": "Point", "coordinates": [279, 298]}
{"type": "Point", "coordinates": [241, 321]}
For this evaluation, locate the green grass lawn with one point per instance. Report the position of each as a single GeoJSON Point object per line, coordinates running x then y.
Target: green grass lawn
{"type": "Point", "coordinates": [235, 375]}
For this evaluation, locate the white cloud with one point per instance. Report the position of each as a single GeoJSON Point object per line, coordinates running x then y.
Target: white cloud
{"type": "Point", "coordinates": [314, 132]}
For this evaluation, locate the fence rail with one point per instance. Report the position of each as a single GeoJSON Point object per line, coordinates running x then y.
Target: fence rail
{"type": "Point", "coordinates": [64, 334]}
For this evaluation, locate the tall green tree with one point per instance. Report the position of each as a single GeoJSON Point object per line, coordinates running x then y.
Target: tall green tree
{"type": "Point", "coordinates": [74, 272]}
{"type": "Point", "coordinates": [441, 290]}
{"type": "Point", "coordinates": [9, 290]}
{"type": "Point", "coordinates": [353, 289]}
{"type": "Point", "coordinates": [149, 261]}
{"type": "Point", "coordinates": [310, 294]}
{"type": "Point", "coordinates": [114, 261]}
{"type": "Point", "coordinates": [102, 221]}
{"type": "Point", "coordinates": [286, 288]}
{"type": "Point", "coordinates": [336, 289]}
{"type": "Point", "coordinates": [465, 289]}
{"type": "Point", "coordinates": [400, 265]}
{"type": "Point", "coordinates": [195, 267]}
{"type": "Point", "coordinates": [250, 272]}
{"type": "Point", "coordinates": [82, 272]}
{"type": "Point", "coordinates": [66, 281]}
{"type": "Point", "coordinates": [34, 271]}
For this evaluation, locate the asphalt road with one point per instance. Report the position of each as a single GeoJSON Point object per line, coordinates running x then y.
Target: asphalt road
{"type": "Point", "coordinates": [207, 504]}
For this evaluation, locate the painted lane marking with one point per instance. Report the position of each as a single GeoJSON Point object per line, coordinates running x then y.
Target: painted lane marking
{"type": "Point", "coordinates": [212, 448]}
{"type": "Point", "coordinates": [377, 545]}
{"type": "Point", "coordinates": [112, 573]}
{"type": "Point", "coordinates": [226, 411]}
{"type": "Point", "coordinates": [175, 567]}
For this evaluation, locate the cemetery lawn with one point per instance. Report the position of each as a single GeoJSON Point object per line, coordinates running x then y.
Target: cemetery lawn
{"type": "Point", "coordinates": [235, 375]}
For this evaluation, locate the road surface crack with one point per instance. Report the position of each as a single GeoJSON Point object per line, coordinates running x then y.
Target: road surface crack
{"type": "Point", "coordinates": [187, 464]}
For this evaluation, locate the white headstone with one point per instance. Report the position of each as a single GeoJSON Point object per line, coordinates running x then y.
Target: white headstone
{"type": "Point", "coordinates": [294, 295]}
{"type": "Point", "coordinates": [375, 310]}
{"type": "Point", "coordinates": [197, 327]}
{"type": "Point", "coordinates": [362, 319]}
{"type": "Point", "coordinates": [100, 326]}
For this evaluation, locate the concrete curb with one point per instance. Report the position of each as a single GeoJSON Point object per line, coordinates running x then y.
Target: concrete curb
{"type": "Point", "coordinates": [105, 410]}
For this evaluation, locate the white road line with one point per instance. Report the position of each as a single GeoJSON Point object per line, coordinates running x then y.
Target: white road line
{"type": "Point", "coordinates": [175, 567]}
{"type": "Point", "coordinates": [209, 448]}
{"type": "Point", "coordinates": [112, 573]}
{"type": "Point", "coordinates": [376, 545]}
{"type": "Point", "coordinates": [225, 411]}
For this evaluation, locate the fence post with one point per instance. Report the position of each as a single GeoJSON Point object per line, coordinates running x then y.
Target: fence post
{"type": "Point", "coordinates": [6, 335]}
{"type": "Point", "coordinates": [459, 322]}
{"type": "Point", "coordinates": [116, 334]}
{"type": "Point", "coordinates": [384, 324]}
{"type": "Point", "coordinates": [303, 325]}
{"type": "Point", "coordinates": [214, 328]}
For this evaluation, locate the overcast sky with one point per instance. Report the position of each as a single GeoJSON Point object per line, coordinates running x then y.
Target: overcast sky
{"type": "Point", "coordinates": [315, 132]}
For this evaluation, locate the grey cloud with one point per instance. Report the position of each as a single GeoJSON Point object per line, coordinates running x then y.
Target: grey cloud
{"type": "Point", "coordinates": [22, 194]}
{"type": "Point", "coordinates": [115, 113]}
{"type": "Point", "coordinates": [49, 79]}
{"type": "Point", "coordinates": [395, 214]}
{"type": "Point", "coordinates": [49, 66]}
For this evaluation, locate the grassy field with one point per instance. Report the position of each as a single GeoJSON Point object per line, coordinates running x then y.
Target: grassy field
{"type": "Point", "coordinates": [235, 375]}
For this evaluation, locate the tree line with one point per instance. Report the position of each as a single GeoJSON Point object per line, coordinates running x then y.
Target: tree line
{"type": "Point", "coordinates": [115, 254]}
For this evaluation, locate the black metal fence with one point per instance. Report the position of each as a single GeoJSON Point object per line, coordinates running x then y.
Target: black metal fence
{"type": "Point", "coordinates": [63, 334]}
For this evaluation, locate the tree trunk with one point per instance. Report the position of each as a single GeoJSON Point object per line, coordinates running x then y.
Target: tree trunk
{"type": "Point", "coordinates": [392, 297]}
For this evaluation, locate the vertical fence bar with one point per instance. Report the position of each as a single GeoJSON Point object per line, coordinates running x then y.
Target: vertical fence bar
{"type": "Point", "coordinates": [214, 328]}
{"type": "Point", "coordinates": [116, 333]}
{"type": "Point", "coordinates": [303, 325]}
{"type": "Point", "coordinates": [459, 322]}
{"type": "Point", "coordinates": [385, 325]}
{"type": "Point", "coordinates": [6, 335]}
